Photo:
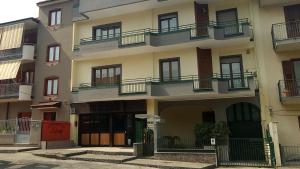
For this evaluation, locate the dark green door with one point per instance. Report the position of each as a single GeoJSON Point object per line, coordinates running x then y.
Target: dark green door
{"type": "Point", "coordinates": [140, 126]}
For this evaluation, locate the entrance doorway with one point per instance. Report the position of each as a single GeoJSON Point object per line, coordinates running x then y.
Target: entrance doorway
{"type": "Point", "coordinates": [23, 128]}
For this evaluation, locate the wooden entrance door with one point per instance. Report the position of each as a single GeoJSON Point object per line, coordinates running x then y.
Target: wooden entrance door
{"type": "Point", "coordinates": [202, 19]}
{"type": "Point", "coordinates": [119, 129]}
{"type": "Point", "coordinates": [292, 17]}
{"type": "Point", "coordinates": [205, 70]}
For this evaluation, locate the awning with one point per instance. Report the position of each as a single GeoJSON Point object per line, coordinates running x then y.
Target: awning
{"type": "Point", "coordinates": [46, 105]}
{"type": "Point", "coordinates": [9, 69]}
{"type": "Point", "coordinates": [11, 36]}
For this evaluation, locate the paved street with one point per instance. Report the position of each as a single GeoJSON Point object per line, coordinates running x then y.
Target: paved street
{"type": "Point", "coordinates": [28, 161]}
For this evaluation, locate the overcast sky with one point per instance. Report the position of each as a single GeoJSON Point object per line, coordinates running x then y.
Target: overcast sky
{"type": "Point", "coordinates": [17, 9]}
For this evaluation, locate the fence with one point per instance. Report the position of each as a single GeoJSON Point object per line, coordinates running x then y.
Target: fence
{"type": "Point", "coordinates": [288, 88]}
{"type": "Point", "coordinates": [9, 90]}
{"type": "Point", "coordinates": [290, 155]}
{"type": "Point", "coordinates": [55, 131]}
{"type": "Point", "coordinates": [254, 152]}
{"type": "Point", "coordinates": [286, 31]}
{"type": "Point", "coordinates": [8, 127]}
{"type": "Point", "coordinates": [182, 144]}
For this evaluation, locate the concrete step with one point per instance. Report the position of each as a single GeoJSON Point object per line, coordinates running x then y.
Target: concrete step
{"type": "Point", "coordinates": [169, 164]}
{"type": "Point", "coordinates": [117, 159]}
{"type": "Point", "coordinates": [58, 153]}
{"type": "Point", "coordinates": [15, 149]}
{"type": "Point", "coordinates": [99, 152]}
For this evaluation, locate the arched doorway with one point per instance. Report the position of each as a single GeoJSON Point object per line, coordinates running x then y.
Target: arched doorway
{"type": "Point", "coordinates": [244, 120]}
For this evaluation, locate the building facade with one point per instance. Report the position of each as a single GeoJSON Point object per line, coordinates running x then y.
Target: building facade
{"type": "Point", "coordinates": [186, 62]}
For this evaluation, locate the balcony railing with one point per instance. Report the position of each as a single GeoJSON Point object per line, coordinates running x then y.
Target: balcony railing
{"type": "Point", "coordinates": [196, 31]}
{"type": "Point", "coordinates": [140, 86]}
{"type": "Point", "coordinates": [289, 88]}
{"type": "Point", "coordinates": [27, 52]}
{"type": "Point", "coordinates": [285, 31]}
{"type": "Point", "coordinates": [9, 90]}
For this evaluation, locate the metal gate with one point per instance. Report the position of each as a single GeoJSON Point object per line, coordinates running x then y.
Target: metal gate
{"type": "Point", "coordinates": [23, 130]}
{"type": "Point", "coordinates": [290, 155]}
{"type": "Point", "coordinates": [252, 152]}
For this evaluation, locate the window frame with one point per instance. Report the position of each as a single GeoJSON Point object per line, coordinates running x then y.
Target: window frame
{"type": "Point", "coordinates": [48, 53]}
{"type": "Point", "coordinates": [115, 66]}
{"type": "Point", "coordinates": [106, 26]}
{"type": "Point", "coordinates": [169, 60]}
{"type": "Point", "coordinates": [233, 57]}
{"type": "Point", "coordinates": [52, 87]}
{"type": "Point", "coordinates": [50, 17]}
{"type": "Point", "coordinates": [165, 15]}
{"type": "Point", "coordinates": [52, 114]}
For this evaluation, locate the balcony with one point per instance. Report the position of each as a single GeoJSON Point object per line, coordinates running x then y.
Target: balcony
{"type": "Point", "coordinates": [15, 92]}
{"type": "Point", "coordinates": [208, 35]}
{"type": "Point", "coordinates": [286, 36]}
{"type": "Point", "coordinates": [289, 92]}
{"type": "Point", "coordinates": [25, 53]}
{"type": "Point", "coordinates": [264, 3]}
{"type": "Point", "coordinates": [95, 9]}
{"type": "Point", "coordinates": [187, 87]}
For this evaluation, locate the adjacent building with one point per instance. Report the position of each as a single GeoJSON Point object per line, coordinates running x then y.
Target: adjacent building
{"type": "Point", "coordinates": [53, 64]}
{"type": "Point", "coordinates": [18, 41]}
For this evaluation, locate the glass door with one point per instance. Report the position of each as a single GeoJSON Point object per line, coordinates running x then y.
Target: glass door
{"type": "Point", "coordinates": [231, 69]}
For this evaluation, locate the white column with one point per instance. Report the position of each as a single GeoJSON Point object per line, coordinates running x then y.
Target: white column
{"type": "Point", "coordinates": [274, 135]}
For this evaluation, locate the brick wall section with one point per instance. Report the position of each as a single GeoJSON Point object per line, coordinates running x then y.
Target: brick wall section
{"type": "Point", "coordinates": [187, 157]}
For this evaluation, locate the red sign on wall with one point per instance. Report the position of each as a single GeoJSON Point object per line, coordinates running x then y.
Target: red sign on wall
{"type": "Point", "coordinates": [55, 131]}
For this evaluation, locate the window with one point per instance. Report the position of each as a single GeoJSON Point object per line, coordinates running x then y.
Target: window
{"type": "Point", "coordinates": [232, 69]}
{"type": "Point", "coordinates": [53, 53]}
{"type": "Point", "coordinates": [168, 22]}
{"type": "Point", "coordinates": [229, 20]}
{"type": "Point", "coordinates": [107, 31]}
{"type": "Point", "coordinates": [170, 69]}
{"type": "Point", "coordinates": [55, 17]}
{"type": "Point", "coordinates": [107, 74]}
{"type": "Point", "coordinates": [49, 116]}
{"type": "Point", "coordinates": [51, 86]}
{"type": "Point", "coordinates": [28, 77]}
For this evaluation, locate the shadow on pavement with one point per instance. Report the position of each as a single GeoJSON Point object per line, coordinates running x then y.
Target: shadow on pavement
{"type": "Point", "coordinates": [7, 164]}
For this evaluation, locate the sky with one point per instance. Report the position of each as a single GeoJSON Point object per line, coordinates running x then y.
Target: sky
{"type": "Point", "coordinates": [17, 9]}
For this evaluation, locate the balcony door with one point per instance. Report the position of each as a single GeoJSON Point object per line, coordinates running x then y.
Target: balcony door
{"type": "Point", "coordinates": [169, 69]}
{"type": "Point", "coordinates": [228, 19]}
{"type": "Point", "coordinates": [106, 75]}
{"type": "Point", "coordinates": [202, 19]}
{"type": "Point", "coordinates": [232, 69]}
{"type": "Point", "coordinates": [104, 32]}
{"type": "Point", "coordinates": [291, 73]}
{"type": "Point", "coordinates": [168, 22]}
{"type": "Point", "coordinates": [292, 17]}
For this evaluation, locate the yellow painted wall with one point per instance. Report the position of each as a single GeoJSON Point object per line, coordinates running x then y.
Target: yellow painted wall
{"type": "Point", "coordinates": [270, 72]}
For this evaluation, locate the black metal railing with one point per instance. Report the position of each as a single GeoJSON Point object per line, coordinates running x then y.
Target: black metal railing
{"type": "Point", "coordinates": [135, 86]}
{"type": "Point", "coordinates": [232, 28]}
{"type": "Point", "coordinates": [285, 31]}
{"type": "Point", "coordinates": [290, 155]}
{"type": "Point", "coordinates": [236, 80]}
{"type": "Point", "coordinates": [9, 90]}
{"type": "Point", "coordinates": [139, 36]}
{"type": "Point", "coordinates": [181, 144]}
{"type": "Point", "coordinates": [11, 54]}
{"type": "Point", "coordinates": [254, 152]}
{"type": "Point", "coordinates": [288, 88]}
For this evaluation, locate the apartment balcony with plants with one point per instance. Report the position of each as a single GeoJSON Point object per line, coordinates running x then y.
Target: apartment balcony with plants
{"type": "Point", "coordinates": [169, 25]}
